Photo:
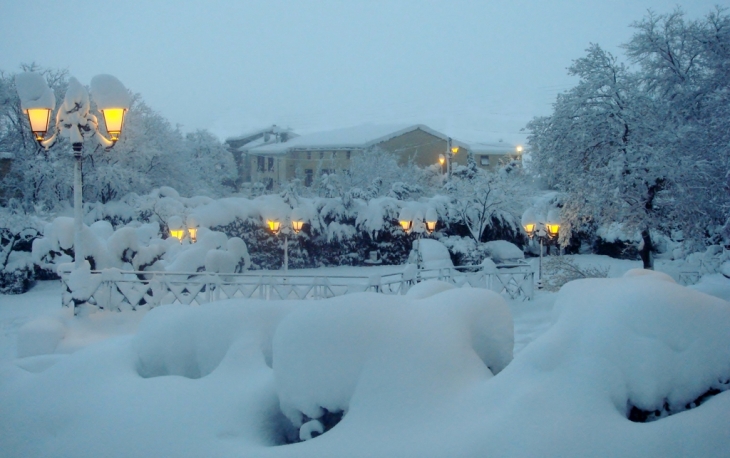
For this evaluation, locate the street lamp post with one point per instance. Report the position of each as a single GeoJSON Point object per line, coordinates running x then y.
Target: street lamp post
{"type": "Point", "coordinates": [406, 222]}
{"type": "Point", "coordinates": [75, 121]}
{"type": "Point", "coordinates": [296, 225]}
{"type": "Point", "coordinates": [546, 231]}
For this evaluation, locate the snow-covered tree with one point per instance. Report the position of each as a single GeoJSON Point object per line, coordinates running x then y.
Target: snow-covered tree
{"type": "Point", "coordinates": [634, 146]}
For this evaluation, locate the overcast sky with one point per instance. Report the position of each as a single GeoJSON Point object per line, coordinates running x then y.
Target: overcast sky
{"type": "Point", "coordinates": [477, 70]}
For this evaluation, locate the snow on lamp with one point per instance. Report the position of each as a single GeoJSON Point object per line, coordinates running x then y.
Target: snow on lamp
{"type": "Point", "coordinates": [553, 223]}
{"type": "Point", "coordinates": [175, 225]}
{"type": "Point", "coordinates": [192, 224]}
{"type": "Point", "coordinates": [431, 220]}
{"type": "Point", "coordinates": [529, 222]}
{"type": "Point", "coordinates": [36, 100]}
{"type": "Point", "coordinates": [297, 222]}
{"type": "Point", "coordinates": [405, 219]}
{"type": "Point", "coordinates": [112, 99]}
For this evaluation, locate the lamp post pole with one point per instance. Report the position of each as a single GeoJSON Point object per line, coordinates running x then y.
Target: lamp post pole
{"type": "Point", "coordinates": [78, 209]}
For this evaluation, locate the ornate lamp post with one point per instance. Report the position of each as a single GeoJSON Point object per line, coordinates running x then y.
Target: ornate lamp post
{"type": "Point", "coordinates": [545, 231]}
{"type": "Point", "coordinates": [75, 121]}
{"type": "Point", "coordinates": [297, 223]}
{"type": "Point", "coordinates": [406, 222]}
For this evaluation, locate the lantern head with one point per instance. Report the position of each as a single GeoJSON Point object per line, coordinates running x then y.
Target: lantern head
{"type": "Point", "coordinates": [274, 226]}
{"type": "Point", "coordinates": [193, 231]}
{"type": "Point", "coordinates": [297, 225]}
{"type": "Point", "coordinates": [178, 234]}
{"type": "Point", "coordinates": [519, 149]}
{"type": "Point", "coordinates": [442, 159]}
{"type": "Point", "coordinates": [553, 229]}
{"type": "Point", "coordinates": [530, 229]}
{"type": "Point", "coordinates": [454, 149]}
{"type": "Point", "coordinates": [406, 225]}
{"type": "Point", "coordinates": [114, 120]}
{"type": "Point", "coordinates": [430, 226]}
{"type": "Point", "coordinates": [39, 119]}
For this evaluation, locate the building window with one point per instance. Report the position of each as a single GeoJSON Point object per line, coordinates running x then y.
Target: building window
{"type": "Point", "coordinates": [271, 164]}
{"type": "Point", "coordinates": [309, 155]}
{"type": "Point", "coordinates": [484, 160]}
{"type": "Point", "coordinates": [348, 155]}
{"type": "Point", "coordinates": [260, 164]}
{"type": "Point", "coordinates": [321, 154]}
{"type": "Point", "coordinates": [308, 177]}
{"type": "Point", "coordinates": [269, 183]}
{"type": "Point", "coordinates": [334, 154]}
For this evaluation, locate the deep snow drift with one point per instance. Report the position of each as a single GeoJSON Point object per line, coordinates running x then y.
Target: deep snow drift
{"type": "Point", "coordinates": [421, 375]}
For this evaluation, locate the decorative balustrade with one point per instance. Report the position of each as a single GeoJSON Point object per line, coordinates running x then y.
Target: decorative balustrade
{"type": "Point", "coordinates": [117, 290]}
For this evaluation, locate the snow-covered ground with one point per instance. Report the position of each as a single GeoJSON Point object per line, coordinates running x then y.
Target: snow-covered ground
{"type": "Point", "coordinates": [429, 374]}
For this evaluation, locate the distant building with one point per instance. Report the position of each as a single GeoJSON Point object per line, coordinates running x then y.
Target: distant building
{"type": "Point", "coordinates": [491, 156]}
{"type": "Point", "coordinates": [240, 145]}
{"type": "Point", "coordinates": [274, 155]}
{"type": "Point", "coordinates": [311, 155]}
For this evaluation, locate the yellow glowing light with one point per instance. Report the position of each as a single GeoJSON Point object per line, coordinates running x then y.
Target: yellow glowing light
{"type": "Point", "coordinates": [553, 229]}
{"type": "Point", "coordinates": [114, 119]}
{"type": "Point", "coordinates": [297, 225]}
{"type": "Point", "coordinates": [442, 159]}
{"type": "Point", "coordinates": [39, 119]}
{"type": "Point", "coordinates": [274, 226]}
{"type": "Point", "coordinates": [530, 228]}
{"type": "Point", "coordinates": [406, 225]}
{"type": "Point", "coordinates": [454, 149]}
{"type": "Point", "coordinates": [519, 148]}
{"type": "Point", "coordinates": [178, 233]}
{"type": "Point", "coordinates": [193, 231]}
{"type": "Point", "coordinates": [430, 226]}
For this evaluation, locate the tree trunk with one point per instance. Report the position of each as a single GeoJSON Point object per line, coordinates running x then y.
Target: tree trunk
{"type": "Point", "coordinates": [645, 251]}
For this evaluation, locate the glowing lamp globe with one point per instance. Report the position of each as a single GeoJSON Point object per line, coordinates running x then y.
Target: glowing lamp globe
{"type": "Point", "coordinates": [193, 231]}
{"type": "Point", "coordinates": [39, 119]}
{"type": "Point", "coordinates": [114, 120]}
{"type": "Point", "coordinates": [430, 226]}
{"type": "Point", "coordinates": [442, 159]}
{"type": "Point", "coordinates": [454, 149]}
{"type": "Point", "coordinates": [274, 226]}
{"type": "Point", "coordinates": [530, 229]}
{"type": "Point", "coordinates": [406, 225]}
{"type": "Point", "coordinates": [178, 234]}
{"type": "Point", "coordinates": [519, 148]}
{"type": "Point", "coordinates": [553, 229]}
{"type": "Point", "coordinates": [297, 225]}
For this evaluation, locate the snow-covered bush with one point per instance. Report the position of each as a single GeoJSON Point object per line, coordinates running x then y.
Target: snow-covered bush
{"type": "Point", "coordinates": [559, 270]}
{"type": "Point", "coordinates": [18, 232]}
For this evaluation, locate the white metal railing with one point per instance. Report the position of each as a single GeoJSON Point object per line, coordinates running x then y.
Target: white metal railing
{"type": "Point", "coordinates": [117, 290]}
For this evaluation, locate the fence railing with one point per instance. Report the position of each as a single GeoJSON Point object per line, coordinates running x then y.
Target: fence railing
{"type": "Point", "coordinates": [117, 290]}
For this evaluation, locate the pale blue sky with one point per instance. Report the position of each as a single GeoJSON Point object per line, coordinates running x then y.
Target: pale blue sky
{"type": "Point", "coordinates": [478, 70]}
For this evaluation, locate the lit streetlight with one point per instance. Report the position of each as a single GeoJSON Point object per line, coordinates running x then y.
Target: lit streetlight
{"type": "Point", "coordinates": [406, 219]}
{"type": "Point", "coordinates": [297, 222]}
{"type": "Point", "coordinates": [545, 230]}
{"type": "Point", "coordinates": [75, 121]}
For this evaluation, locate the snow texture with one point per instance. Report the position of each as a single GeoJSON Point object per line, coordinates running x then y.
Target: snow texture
{"type": "Point", "coordinates": [108, 92]}
{"type": "Point", "coordinates": [34, 91]}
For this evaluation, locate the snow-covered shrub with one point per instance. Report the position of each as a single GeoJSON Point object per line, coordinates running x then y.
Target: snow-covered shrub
{"type": "Point", "coordinates": [17, 234]}
{"type": "Point", "coordinates": [559, 270]}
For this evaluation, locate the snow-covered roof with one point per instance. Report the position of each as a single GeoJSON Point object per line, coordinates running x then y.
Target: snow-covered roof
{"type": "Point", "coordinates": [497, 148]}
{"type": "Point", "coordinates": [362, 136]}
{"type": "Point", "coordinates": [273, 129]}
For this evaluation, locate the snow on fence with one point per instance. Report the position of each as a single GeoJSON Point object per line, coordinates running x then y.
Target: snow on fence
{"type": "Point", "coordinates": [117, 290]}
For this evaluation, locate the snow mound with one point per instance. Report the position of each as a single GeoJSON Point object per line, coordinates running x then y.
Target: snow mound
{"type": "Point", "coordinates": [502, 250]}
{"type": "Point", "coordinates": [656, 345]}
{"type": "Point", "coordinates": [369, 351]}
{"type": "Point", "coordinates": [434, 254]}
{"type": "Point", "coordinates": [40, 337]}
{"type": "Point", "coordinates": [428, 288]}
{"type": "Point", "coordinates": [191, 342]}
